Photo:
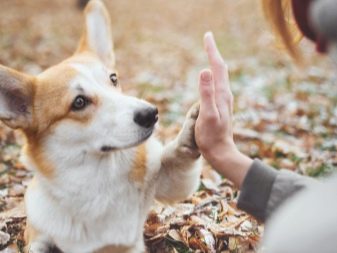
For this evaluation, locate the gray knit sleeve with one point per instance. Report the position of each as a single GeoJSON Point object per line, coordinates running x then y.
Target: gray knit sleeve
{"type": "Point", "coordinates": [264, 189]}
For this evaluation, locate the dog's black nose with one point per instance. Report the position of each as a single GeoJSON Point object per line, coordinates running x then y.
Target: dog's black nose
{"type": "Point", "coordinates": [146, 117]}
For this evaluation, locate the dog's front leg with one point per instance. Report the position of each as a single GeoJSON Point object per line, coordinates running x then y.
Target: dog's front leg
{"type": "Point", "coordinates": [180, 169]}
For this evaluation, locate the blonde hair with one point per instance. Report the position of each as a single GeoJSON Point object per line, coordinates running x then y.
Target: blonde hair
{"type": "Point", "coordinates": [279, 14]}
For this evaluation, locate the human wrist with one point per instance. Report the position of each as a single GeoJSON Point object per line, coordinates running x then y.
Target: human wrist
{"type": "Point", "coordinates": [218, 153]}
{"type": "Point", "coordinates": [231, 163]}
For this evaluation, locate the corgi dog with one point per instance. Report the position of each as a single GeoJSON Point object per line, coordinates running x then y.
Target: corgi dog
{"type": "Point", "coordinates": [97, 166]}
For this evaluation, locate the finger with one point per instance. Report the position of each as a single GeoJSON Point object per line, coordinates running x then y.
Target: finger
{"type": "Point", "coordinates": [223, 95]}
{"type": "Point", "coordinates": [215, 59]}
{"type": "Point", "coordinates": [208, 108]}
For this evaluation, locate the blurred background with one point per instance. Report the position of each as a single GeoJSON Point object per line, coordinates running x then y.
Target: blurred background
{"type": "Point", "coordinates": [285, 114]}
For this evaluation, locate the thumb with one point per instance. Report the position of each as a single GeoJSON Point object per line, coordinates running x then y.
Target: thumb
{"type": "Point", "coordinates": [207, 94]}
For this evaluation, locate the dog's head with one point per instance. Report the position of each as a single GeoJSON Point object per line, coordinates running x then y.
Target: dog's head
{"type": "Point", "coordinates": [78, 103]}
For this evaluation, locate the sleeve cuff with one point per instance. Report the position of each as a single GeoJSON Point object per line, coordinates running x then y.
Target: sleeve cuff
{"type": "Point", "coordinates": [256, 189]}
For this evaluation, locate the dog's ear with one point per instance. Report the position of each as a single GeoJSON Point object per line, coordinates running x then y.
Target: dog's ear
{"type": "Point", "coordinates": [97, 36]}
{"type": "Point", "coordinates": [16, 98]}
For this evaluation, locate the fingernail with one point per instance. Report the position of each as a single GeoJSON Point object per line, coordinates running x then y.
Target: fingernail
{"type": "Point", "coordinates": [208, 40]}
{"type": "Point", "coordinates": [206, 75]}
{"type": "Point", "coordinates": [208, 34]}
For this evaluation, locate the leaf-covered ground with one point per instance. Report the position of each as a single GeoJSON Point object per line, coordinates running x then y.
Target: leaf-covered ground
{"type": "Point", "coordinates": [286, 116]}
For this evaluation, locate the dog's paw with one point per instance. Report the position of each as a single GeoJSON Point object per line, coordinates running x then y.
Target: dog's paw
{"type": "Point", "coordinates": [186, 138]}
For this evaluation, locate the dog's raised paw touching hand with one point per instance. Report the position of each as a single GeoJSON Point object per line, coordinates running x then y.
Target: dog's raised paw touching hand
{"type": "Point", "coordinates": [186, 138]}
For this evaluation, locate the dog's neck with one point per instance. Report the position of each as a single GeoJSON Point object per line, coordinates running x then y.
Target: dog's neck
{"type": "Point", "coordinates": [90, 191]}
{"type": "Point", "coordinates": [75, 169]}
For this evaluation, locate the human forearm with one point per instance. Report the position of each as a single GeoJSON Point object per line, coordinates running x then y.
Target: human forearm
{"type": "Point", "coordinates": [233, 165]}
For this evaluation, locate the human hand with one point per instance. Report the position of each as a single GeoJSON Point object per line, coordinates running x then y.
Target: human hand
{"type": "Point", "coordinates": [214, 129]}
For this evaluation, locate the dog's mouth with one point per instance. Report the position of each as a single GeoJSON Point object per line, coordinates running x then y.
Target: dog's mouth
{"type": "Point", "coordinates": [145, 136]}
{"type": "Point", "coordinates": [107, 149]}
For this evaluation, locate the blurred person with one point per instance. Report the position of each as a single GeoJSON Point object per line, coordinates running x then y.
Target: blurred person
{"type": "Point", "coordinates": [301, 213]}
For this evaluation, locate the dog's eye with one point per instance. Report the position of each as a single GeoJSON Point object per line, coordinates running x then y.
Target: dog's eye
{"type": "Point", "coordinates": [114, 79]}
{"type": "Point", "coordinates": [79, 103]}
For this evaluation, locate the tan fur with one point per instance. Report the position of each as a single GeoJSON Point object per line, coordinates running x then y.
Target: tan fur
{"type": "Point", "coordinates": [34, 150]}
{"type": "Point", "coordinates": [138, 172]}
{"type": "Point", "coordinates": [53, 100]}
{"type": "Point", "coordinates": [51, 105]}
{"type": "Point", "coordinates": [83, 45]}
{"type": "Point", "coordinates": [30, 234]}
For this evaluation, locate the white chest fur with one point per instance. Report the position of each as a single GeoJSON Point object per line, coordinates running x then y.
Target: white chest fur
{"type": "Point", "coordinates": [92, 202]}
